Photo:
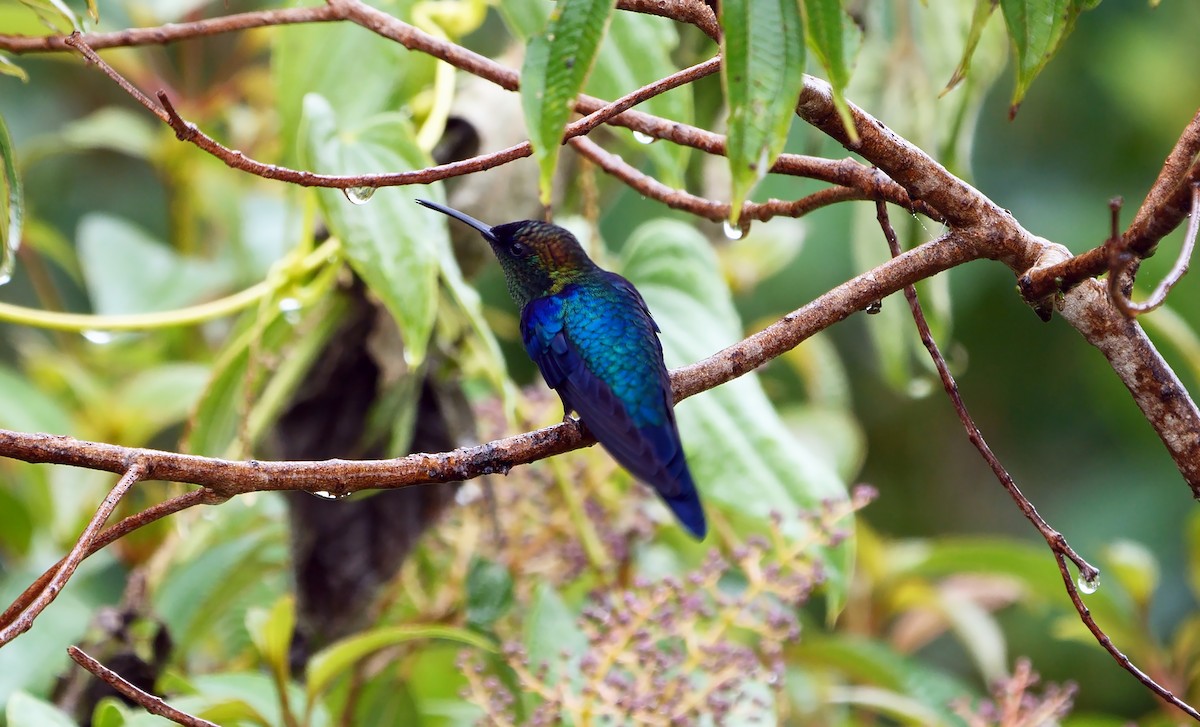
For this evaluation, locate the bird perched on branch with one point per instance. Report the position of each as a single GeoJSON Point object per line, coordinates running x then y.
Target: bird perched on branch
{"type": "Point", "coordinates": [593, 340]}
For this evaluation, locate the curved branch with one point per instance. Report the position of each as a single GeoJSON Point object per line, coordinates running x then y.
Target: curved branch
{"type": "Point", "coordinates": [149, 702]}
{"type": "Point", "coordinates": [66, 568]}
{"type": "Point", "coordinates": [226, 478]}
{"type": "Point", "coordinates": [170, 33]}
{"type": "Point", "coordinates": [108, 536]}
{"type": "Point", "coordinates": [1165, 207]}
{"type": "Point", "coordinates": [711, 209]}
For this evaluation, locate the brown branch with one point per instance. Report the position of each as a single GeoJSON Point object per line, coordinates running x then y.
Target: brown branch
{"type": "Point", "coordinates": [693, 12]}
{"type": "Point", "coordinates": [709, 209]}
{"type": "Point", "coordinates": [22, 623]}
{"type": "Point", "coordinates": [227, 478]}
{"type": "Point", "coordinates": [149, 702]}
{"type": "Point", "coordinates": [1123, 259]}
{"type": "Point", "coordinates": [108, 536]}
{"type": "Point", "coordinates": [1053, 538]}
{"type": "Point", "coordinates": [1165, 206]}
{"type": "Point", "coordinates": [161, 35]}
{"type": "Point", "coordinates": [1058, 544]}
{"type": "Point", "coordinates": [1085, 615]}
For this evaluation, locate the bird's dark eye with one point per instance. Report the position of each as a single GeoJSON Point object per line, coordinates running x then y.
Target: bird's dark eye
{"type": "Point", "coordinates": [519, 249]}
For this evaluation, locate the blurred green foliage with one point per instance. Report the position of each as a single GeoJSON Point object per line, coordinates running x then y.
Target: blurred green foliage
{"type": "Point", "coordinates": [804, 611]}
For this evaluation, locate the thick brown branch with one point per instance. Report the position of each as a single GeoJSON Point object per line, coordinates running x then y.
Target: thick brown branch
{"type": "Point", "coordinates": [227, 478]}
{"type": "Point", "coordinates": [149, 702]}
{"type": "Point", "coordinates": [173, 32]}
{"type": "Point", "coordinates": [23, 621]}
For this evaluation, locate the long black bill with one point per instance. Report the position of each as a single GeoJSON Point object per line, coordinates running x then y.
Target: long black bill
{"type": "Point", "coordinates": [485, 230]}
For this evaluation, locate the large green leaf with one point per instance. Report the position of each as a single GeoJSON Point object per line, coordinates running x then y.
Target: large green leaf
{"type": "Point", "coordinates": [833, 38]}
{"type": "Point", "coordinates": [12, 208]}
{"type": "Point", "coordinates": [341, 73]}
{"type": "Point", "coordinates": [161, 279]}
{"type": "Point", "coordinates": [24, 710]}
{"type": "Point", "coordinates": [337, 659]}
{"type": "Point", "coordinates": [1037, 29]}
{"type": "Point", "coordinates": [636, 52]}
{"type": "Point", "coordinates": [740, 451]}
{"type": "Point", "coordinates": [394, 245]}
{"type": "Point", "coordinates": [557, 63]}
{"type": "Point", "coordinates": [762, 71]}
{"type": "Point", "coordinates": [27, 409]}
{"type": "Point", "coordinates": [983, 12]}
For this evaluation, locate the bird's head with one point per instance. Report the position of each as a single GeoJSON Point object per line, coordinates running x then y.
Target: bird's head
{"type": "Point", "coordinates": [538, 258]}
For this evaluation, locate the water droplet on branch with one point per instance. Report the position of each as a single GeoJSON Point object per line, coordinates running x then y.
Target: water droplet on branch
{"type": "Point", "coordinates": [873, 307]}
{"type": "Point", "coordinates": [1088, 586]}
{"type": "Point", "coordinates": [290, 308]}
{"type": "Point", "coordinates": [358, 195]}
{"type": "Point", "coordinates": [641, 138]}
{"type": "Point", "coordinates": [735, 232]}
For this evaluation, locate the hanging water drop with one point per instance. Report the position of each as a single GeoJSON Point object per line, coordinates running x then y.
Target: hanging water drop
{"type": "Point", "coordinates": [1088, 586]}
{"type": "Point", "coordinates": [735, 232]}
{"type": "Point", "coordinates": [290, 308]}
{"type": "Point", "coordinates": [325, 495]}
{"type": "Point", "coordinates": [8, 258]}
{"type": "Point", "coordinates": [641, 138]}
{"type": "Point", "coordinates": [100, 338]}
{"type": "Point", "coordinates": [873, 307]}
{"type": "Point", "coordinates": [358, 195]}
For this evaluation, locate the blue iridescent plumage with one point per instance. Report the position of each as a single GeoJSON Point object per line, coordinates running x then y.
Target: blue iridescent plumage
{"type": "Point", "coordinates": [592, 338]}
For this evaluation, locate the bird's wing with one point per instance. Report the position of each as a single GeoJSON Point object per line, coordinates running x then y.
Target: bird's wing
{"type": "Point", "coordinates": [646, 452]}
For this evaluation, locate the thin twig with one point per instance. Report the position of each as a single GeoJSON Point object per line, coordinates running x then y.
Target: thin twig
{"type": "Point", "coordinates": [46, 596]}
{"type": "Point", "coordinates": [709, 209]}
{"type": "Point", "coordinates": [1122, 259]}
{"type": "Point", "coordinates": [109, 535]}
{"type": "Point", "coordinates": [170, 33]}
{"type": "Point", "coordinates": [149, 702]}
{"type": "Point", "coordinates": [1058, 543]}
{"type": "Point", "coordinates": [1163, 210]}
{"type": "Point", "coordinates": [694, 12]}
{"type": "Point", "coordinates": [1106, 643]}
{"type": "Point", "coordinates": [1053, 538]}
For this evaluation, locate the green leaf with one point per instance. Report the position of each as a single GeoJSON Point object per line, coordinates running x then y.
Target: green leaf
{"type": "Point", "coordinates": [1037, 29]}
{"type": "Point", "coordinates": [8, 68]}
{"type": "Point", "coordinates": [160, 280]}
{"type": "Point", "coordinates": [732, 434]}
{"type": "Point", "coordinates": [54, 14]}
{"type": "Point", "coordinates": [637, 51]}
{"type": "Point", "coordinates": [25, 710]}
{"type": "Point", "coordinates": [762, 72]}
{"type": "Point", "coordinates": [27, 409]}
{"type": "Point", "coordinates": [109, 712]}
{"type": "Point", "coordinates": [16, 525]}
{"type": "Point", "coordinates": [337, 659]}
{"type": "Point", "coordinates": [489, 592]}
{"type": "Point", "coordinates": [394, 245]}
{"type": "Point", "coordinates": [340, 73]}
{"type": "Point", "coordinates": [1135, 568]}
{"type": "Point", "coordinates": [271, 632]}
{"type": "Point", "coordinates": [833, 38]}
{"type": "Point", "coordinates": [12, 207]}
{"type": "Point", "coordinates": [154, 399]}
{"type": "Point", "coordinates": [983, 12]}
{"type": "Point", "coordinates": [557, 63]}
{"type": "Point", "coordinates": [871, 662]}
{"type": "Point", "coordinates": [524, 18]}
{"type": "Point", "coordinates": [553, 636]}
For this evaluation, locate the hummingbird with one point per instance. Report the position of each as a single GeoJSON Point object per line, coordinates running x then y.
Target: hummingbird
{"type": "Point", "coordinates": [590, 334]}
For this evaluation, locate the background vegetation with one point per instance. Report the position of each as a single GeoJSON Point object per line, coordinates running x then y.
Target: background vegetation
{"type": "Point", "coordinates": [566, 561]}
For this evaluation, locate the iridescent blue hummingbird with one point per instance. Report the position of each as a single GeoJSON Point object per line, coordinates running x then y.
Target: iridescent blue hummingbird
{"type": "Point", "coordinates": [591, 335]}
